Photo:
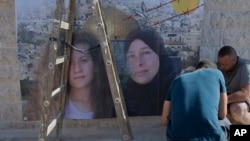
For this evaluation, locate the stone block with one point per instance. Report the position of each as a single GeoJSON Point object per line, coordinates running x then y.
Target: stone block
{"type": "Point", "coordinates": [9, 73]}
{"type": "Point", "coordinates": [7, 30]}
{"type": "Point", "coordinates": [10, 92]}
{"type": "Point", "coordinates": [10, 112]}
{"type": "Point", "coordinates": [7, 5]}
{"type": "Point", "coordinates": [227, 5]}
{"type": "Point", "coordinates": [7, 38]}
{"type": "Point", "coordinates": [7, 19]}
{"type": "Point", "coordinates": [8, 56]}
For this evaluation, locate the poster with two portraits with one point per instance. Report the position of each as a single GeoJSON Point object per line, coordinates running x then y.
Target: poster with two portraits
{"type": "Point", "coordinates": [152, 42]}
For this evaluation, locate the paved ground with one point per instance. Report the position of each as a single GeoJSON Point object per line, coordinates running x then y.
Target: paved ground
{"type": "Point", "coordinates": [143, 129]}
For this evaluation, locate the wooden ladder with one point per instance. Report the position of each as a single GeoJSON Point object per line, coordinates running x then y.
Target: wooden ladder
{"type": "Point", "coordinates": [113, 77]}
{"type": "Point", "coordinates": [61, 34]}
{"type": "Point", "coordinates": [64, 39]}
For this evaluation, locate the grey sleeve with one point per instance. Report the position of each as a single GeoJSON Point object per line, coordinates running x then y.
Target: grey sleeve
{"type": "Point", "coordinates": [245, 74]}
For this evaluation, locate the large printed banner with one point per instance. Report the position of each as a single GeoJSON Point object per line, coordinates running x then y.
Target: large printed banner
{"type": "Point", "coordinates": [152, 41]}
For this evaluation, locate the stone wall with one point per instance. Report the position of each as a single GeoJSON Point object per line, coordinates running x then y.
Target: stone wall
{"type": "Point", "coordinates": [226, 22]}
{"type": "Point", "coordinates": [10, 97]}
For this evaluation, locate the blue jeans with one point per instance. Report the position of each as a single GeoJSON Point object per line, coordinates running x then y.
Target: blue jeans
{"type": "Point", "coordinates": [225, 125]}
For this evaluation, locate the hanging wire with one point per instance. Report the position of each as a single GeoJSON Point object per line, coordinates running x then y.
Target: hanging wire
{"type": "Point", "coordinates": [84, 51]}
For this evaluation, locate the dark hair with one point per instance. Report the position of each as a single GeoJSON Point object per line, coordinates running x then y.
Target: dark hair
{"type": "Point", "coordinates": [206, 64]}
{"type": "Point", "coordinates": [227, 50]}
{"type": "Point", "coordinates": [153, 39]}
{"type": "Point", "coordinates": [152, 94]}
{"type": "Point", "coordinates": [101, 94]}
{"type": "Point", "coordinates": [150, 37]}
{"type": "Point", "coordinates": [89, 39]}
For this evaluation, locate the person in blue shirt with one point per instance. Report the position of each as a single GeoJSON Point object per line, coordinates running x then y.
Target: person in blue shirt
{"type": "Point", "coordinates": [194, 104]}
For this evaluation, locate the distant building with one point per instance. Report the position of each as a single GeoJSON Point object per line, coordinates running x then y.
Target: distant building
{"type": "Point", "coordinates": [176, 45]}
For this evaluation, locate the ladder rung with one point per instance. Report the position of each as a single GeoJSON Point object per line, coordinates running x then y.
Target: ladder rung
{"type": "Point", "coordinates": [57, 90]}
{"type": "Point", "coordinates": [53, 123]}
{"type": "Point", "coordinates": [64, 25]}
{"type": "Point", "coordinates": [60, 60]}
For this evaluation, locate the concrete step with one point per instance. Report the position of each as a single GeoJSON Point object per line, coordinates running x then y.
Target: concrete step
{"type": "Point", "coordinates": [143, 129]}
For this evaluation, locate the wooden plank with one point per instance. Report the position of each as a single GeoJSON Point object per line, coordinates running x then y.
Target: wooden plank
{"type": "Point", "coordinates": [53, 123]}
{"type": "Point", "coordinates": [51, 70]}
{"type": "Point", "coordinates": [113, 77]}
{"type": "Point", "coordinates": [58, 24]}
{"type": "Point", "coordinates": [65, 69]}
{"type": "Point", "coordinates": [58, 90]}
{"type": "Point", "coordinates": [60, 60]}
{"type": "Point", "coordinates": [64, 25]}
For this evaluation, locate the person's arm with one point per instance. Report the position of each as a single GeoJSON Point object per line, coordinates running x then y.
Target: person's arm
{"type": "Point", "coordinates": [223, 106]}
{"type": "Point", "coordinates": [165, 112]}
{"type": "Point", "coordinates": [241, 95]}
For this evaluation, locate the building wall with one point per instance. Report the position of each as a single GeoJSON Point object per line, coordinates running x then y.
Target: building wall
{"type": "Point", "coordinates": [226, 22]}
{"type": "Point", "coordinates": [10, 97]}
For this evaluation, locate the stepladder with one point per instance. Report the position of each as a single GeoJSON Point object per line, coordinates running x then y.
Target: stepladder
{"type": "Point", "coordinates": [110, 65]}
{"type": "Point", "coordinates": [60, 48]}
{"type": "Point", "coordinates": [58, 60]}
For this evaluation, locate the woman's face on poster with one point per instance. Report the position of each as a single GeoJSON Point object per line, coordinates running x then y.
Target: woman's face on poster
{"type": "Point", "coordinates": [142, 62]}
{"type": "Point", "coordinates": [81, 67]}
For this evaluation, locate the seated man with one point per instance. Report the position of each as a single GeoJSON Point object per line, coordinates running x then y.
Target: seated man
{"type": "Point", "coordinates": [194, 104]}
{"type": "Point", "coordinates": [236, 72]}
